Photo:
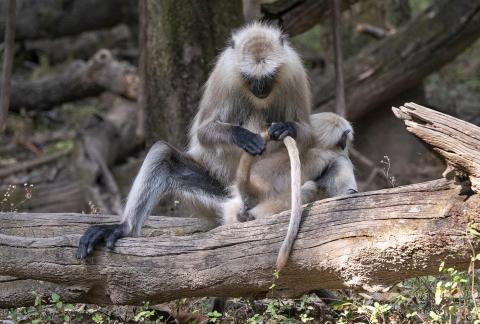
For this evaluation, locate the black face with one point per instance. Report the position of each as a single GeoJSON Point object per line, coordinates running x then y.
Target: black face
{"type": "Point", "coordinates": [260, 86]}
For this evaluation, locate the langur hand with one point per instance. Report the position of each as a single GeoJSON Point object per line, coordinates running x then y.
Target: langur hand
{"type": "Point", "coordinates": [250, 142]}
{"type": "Point", "coordinates": [96, 233]}
{"type": "Point", "coordinates": [278, 131]}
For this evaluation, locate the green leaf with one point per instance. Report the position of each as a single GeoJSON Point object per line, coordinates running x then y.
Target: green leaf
{"type": "Point", "coordinates": [55, 298]}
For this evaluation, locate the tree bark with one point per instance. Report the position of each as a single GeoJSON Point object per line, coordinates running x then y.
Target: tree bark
{"type": "Point", "coordinates": [83, 46]}
{"type": "Point", "coordinates": [79, 80]}
{"type": "Point", "coordinates": [410, 229]}
{"type": "Point", "coordinates": [9, 50]}
{"type": "Point", "coordinates": [366, 241]}
{"type": "Point", "coordinates": [298, 16]}
{"type": "Point", "coordinates": [183, 38]}
{"type": "Point", "coordinates": [399, 62]}
{"type": "Point", "coordinates": [54, 18]}
{"type": "Point", "coordinates": [457, 141]}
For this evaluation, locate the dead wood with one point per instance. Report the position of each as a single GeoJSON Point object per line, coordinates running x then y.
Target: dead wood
{"type": "Point", "coordinates": [22, 166]}
{"type": "Point", "coordinates": [372, 30]}
{"type": "Point", "coordinates": [298, 16]}
{"type": "Point", "coordinates": [55, 18]}
{"type": "Point", "coordinates": [8, 54]}
{"type": "Point", "coordinates": [83, 46]}
{"type": "Point", "coordinates": [79, 80]}
{"type": "Point", "coordinates": [457, 141]}
{"type": "Point", "coordinates": [401, 61]}
{"type": "Point", "coordinates": [368, 240]}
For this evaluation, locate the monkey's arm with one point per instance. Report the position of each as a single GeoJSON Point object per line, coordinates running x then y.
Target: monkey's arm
{"type": "Point", "coordinates": [216, 133]}
{"type": "Point", "coordinates": [338, 179]}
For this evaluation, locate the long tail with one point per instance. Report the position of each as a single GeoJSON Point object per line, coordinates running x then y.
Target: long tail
{"type": "Point", "coordinates": [243, 182]}
{"type": "Point", "coordinates": [296, 213]}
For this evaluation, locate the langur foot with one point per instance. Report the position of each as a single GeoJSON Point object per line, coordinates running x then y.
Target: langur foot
{"type": "Point", "coordinates": [96, 233]}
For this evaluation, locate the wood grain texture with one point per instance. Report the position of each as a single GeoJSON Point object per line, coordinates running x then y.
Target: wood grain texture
{"type": "Point", "coordinates": [457, 141]}
{"type": "Point", "coordinates": [368, 240]}
{"type": "Point", "coordinates": [400, 62]}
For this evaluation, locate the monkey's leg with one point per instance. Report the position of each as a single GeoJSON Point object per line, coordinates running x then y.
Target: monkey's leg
{"type": "Point", "coordinates": [338, 179]}
{"type": "Point", "coordinates": [165, 170]}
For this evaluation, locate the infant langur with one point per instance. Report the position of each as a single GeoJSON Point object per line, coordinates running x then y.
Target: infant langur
{"type": "Point", "coordinates": [263, 187]}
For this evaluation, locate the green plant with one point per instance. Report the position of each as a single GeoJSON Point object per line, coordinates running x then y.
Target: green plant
{"type": "Point", "coordinates": [214, 316]}
{"type": "Point", "coordinates": [144, 313]}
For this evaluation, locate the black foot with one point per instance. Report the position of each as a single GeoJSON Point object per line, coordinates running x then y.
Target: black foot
{"type": "Point", "coordinates": [245, 216]}
{"type": "Point", "coordinates": [351, 191]}
{"type": "Point", "coordinates": [108, 233]}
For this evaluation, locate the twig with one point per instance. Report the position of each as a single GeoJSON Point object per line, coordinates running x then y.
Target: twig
{"type": "Point", "coordinates": [110, 182]}
{"type": "Point", "coordinates": [340, 106]}
{"type": "Point", "coordinates": [368, 163]}
{"type": "Point", "coordinates": [32, 163]}
{"type": "Point", "coordinates": [371, 30]}
{"type": "Point", "coordinates": [94, 192]}
{"type": "Point", "coordinates": [7, 63]}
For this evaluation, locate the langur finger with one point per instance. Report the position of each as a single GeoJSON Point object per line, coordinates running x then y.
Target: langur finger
{"type": "Point", "coordinates": [113, 237]}
{"type": "Point", "coordinates": [284, 134]}
{"type": "Point", "coordinates": [84, 241]}
{"type": "Point", "coordinates": [96, 236]}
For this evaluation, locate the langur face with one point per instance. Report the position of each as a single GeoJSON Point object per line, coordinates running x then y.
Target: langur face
{"type": "Point", "coordinates": [260, 86]}
{"type": "Point", "coordinates": [260, 53]}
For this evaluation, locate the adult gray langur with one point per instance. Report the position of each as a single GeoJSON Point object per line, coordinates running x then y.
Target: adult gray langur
{"type": "Point", "coordinates": [258, 83]}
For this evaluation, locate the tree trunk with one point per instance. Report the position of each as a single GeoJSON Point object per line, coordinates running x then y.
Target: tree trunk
{"type": "Point", "coordinates": [183, 38]}
{"type": "Point", "coordinates": [54, 18]}
{"type": "Point", "coordinates": [399, 62]}
{"type": "Point", "coordinates": [78, 80]}
{"type": "Point", "coordinates": [298, 16]}
{"type": "Point", "coordinates": [366, 241]}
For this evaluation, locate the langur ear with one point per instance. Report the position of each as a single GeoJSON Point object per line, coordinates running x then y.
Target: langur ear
{"type": "Point", "coordinates": [283, 38]}
{"type": "Point", "coordinates": [343, 140]}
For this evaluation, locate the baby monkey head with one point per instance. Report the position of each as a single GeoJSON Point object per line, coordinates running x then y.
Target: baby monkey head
{"type": "Point", "coordinates": [260, 53]}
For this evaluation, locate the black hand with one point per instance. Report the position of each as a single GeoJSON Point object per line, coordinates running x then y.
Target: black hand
{"type": "Point", "coordinates": [250, 142]}
{"type": "Point", "coordinates": [96, 233]}
{"type": "Point", "coordinates": [278, 131]}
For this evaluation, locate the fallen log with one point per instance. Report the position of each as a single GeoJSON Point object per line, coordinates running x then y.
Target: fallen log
{"type": "Point", "coordinates": [457, 141]}
{"type": "Point", "coordinates": [54, 18]}
{"type": "Point", "coordinates": [410, 229]}
{"type": "Point", "coordinates": [401, 61]}
{"type": "Point", "coordinates": [368, 241]}
{"type": "Point", "coordinates": [82, 46]}
{"type": "Point", "coordinates": [298, 16]}
{"type": "Point", "coordinates": [79, 80]}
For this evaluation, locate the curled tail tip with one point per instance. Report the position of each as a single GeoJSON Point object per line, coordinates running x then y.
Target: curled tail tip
{"type": "Point", "coordinates": [281, 261]}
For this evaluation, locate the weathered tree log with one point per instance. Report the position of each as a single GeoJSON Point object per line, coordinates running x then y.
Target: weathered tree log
{"type": "Point", "coordinates": [84, 45]}
{"type": "Point", "coordinates": [410, 229]}
{"type": "Point", "coordinates": [457, 141]}
{"type": "Point", "coordinates": [15, 292]}
{"type": "Point", "coordinates": [77, 81]}
{"type": "Point", "coordinates": [401, 61]}
{"type": "Point", "coordinates": [298, 16]}
{"type": "Point", "coordinates": [54, 18]}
